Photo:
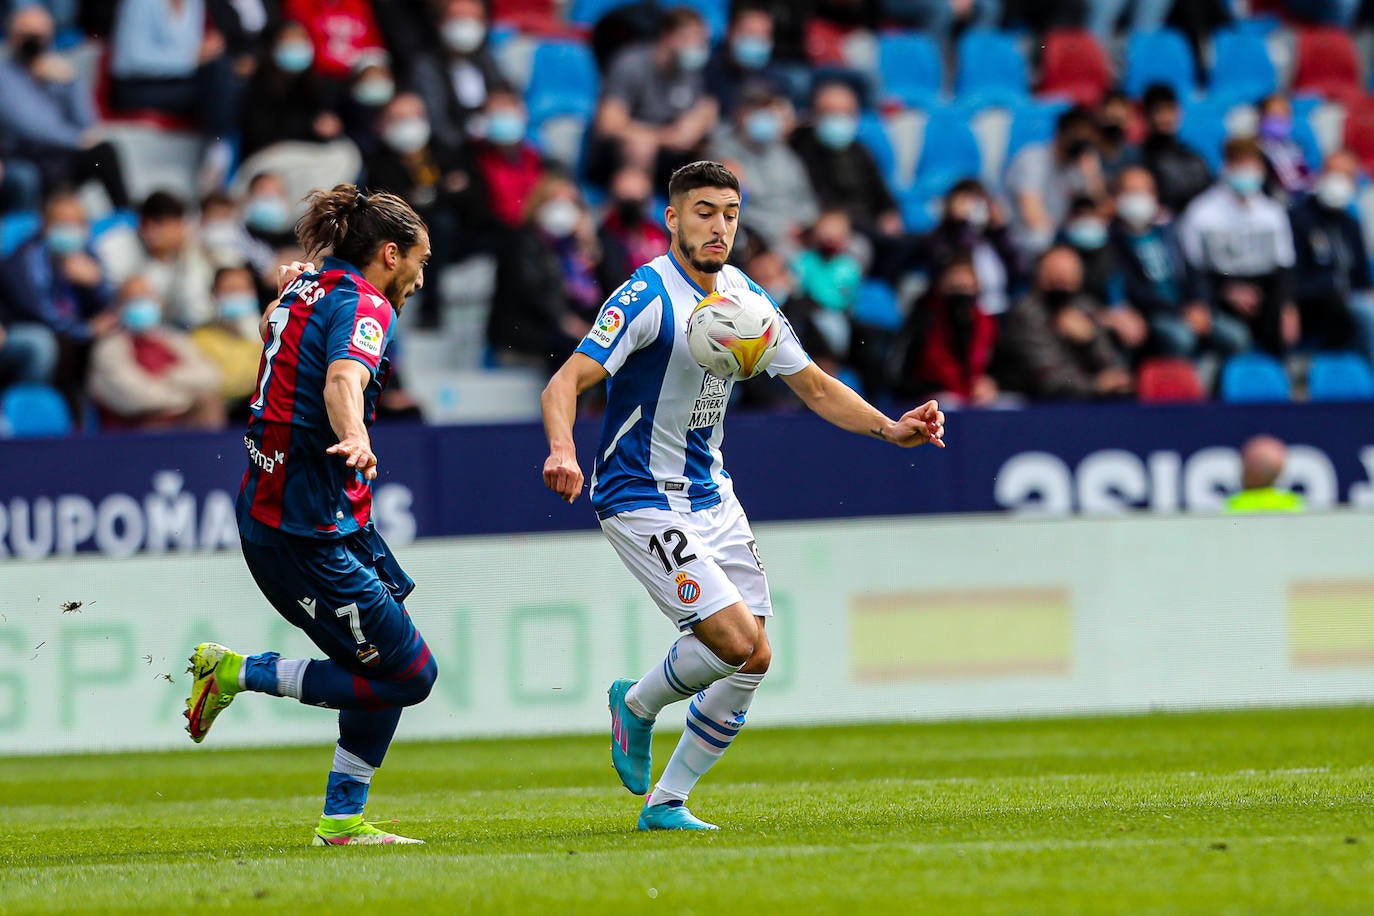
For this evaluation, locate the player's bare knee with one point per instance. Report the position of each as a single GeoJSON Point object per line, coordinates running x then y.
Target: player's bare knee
{"type": "Point", "coordinates": [758, 661]}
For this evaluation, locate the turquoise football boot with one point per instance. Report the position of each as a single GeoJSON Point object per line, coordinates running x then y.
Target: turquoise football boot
{"type": "Point", "coordinates": [631, 740]}
{"type": "Point", "coordinates": [671, 816]}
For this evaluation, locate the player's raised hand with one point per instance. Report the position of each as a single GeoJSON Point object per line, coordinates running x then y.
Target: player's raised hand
{"type": "Point", "coordinates": [563, 476]}
{"type": "Point", "coordinates": [288, 272]}
{"type": "Point", "coordinates": [920, 425]}
{"type": "Point", "coordinates": [358, 451]}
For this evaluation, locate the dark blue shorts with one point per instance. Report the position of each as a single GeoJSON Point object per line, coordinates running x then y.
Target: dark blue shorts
{"type": "Point", "coordinates": [345, 593]}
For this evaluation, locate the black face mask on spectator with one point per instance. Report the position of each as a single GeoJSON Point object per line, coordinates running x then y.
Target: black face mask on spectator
{"type": "Point", "coordinates": [30, 48]}
{"type": "Point", "coordinates": [1078, 148]}
{"type": "Point", "coordinates": [960, 300]}
{"type": "Point", "coordinates": [1057, 299]}
{"type": "Point", "coordinates": [1113, 134]}
{"type": "Point", "coordinates": [630, 212]}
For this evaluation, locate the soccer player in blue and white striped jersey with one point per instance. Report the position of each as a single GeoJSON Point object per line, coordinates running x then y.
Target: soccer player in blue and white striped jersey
{"type": "Point", "coordinates": [666, 503]}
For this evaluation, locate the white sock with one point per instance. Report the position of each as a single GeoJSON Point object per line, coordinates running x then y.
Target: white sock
{"type": "Point", "coordinates": [713, 721]}
{"type": "Point", "coordinates": [690, 667]}
{"type": "Point", "coordinates": [290, 674]}
{"type": "Point", "coordinates": [352, 765]}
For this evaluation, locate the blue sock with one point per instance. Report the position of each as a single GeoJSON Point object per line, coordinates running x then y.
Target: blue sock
{"type": "Point", "coordinates": [344, 796]}
{"type": "Point", "coordinates": [260, 672]}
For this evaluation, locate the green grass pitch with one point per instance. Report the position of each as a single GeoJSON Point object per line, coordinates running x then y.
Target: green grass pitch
{"type": "Point", "coordinates": [1265, 811]}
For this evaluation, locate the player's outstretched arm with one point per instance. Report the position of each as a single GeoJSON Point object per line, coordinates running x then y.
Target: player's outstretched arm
{"type": "Point", "coordinates": [559, 404]}
{"type": "Point", "coordinates": [344, 383]}
{"type": "Point", "coordinates": [833, 400]}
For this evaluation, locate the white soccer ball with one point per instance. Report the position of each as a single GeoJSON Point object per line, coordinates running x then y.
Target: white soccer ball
{"type": "Point", "coordinates": [734, 333]}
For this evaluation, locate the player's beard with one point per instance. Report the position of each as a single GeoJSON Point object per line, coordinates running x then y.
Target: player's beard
{"type": "Point", "coordinates": [706, 267]}
{"type": "Point", "coordinates": [394, 294]}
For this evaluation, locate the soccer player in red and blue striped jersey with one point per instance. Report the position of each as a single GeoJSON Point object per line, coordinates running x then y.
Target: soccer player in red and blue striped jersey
{"type": "Point", "coordinates": [304, 510]}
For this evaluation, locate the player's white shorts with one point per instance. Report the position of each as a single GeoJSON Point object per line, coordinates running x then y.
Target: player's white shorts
{"type": "Point", "coordinates": [692, 563]}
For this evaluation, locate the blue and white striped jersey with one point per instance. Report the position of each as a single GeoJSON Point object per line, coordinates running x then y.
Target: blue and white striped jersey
{"type": "Point", "coordinates": [661, 434]}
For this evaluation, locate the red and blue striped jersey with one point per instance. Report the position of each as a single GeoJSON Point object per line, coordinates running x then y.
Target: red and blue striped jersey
{"type": "Point", "coordinates": [291, 484]}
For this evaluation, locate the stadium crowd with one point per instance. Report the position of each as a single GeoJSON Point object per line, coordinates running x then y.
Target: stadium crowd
{"type": "Point", "coordinates": [1146, 219]}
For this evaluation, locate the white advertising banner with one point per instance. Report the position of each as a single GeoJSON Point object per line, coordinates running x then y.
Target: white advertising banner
{"type": "Point", "coordinates": [908, 618]}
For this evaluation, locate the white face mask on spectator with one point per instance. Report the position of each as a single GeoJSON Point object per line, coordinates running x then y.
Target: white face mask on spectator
{"type": "Point", "coordinates": [978, 214]}
{"type": "Point", "coordinates": [267, 213]}
{"type": "Point", "coordinates": [693, 58]}
{"type": "Point", "coordinates": [220, 235]}
{"type": "Point", "coordinates": [463, 35]}
{"type": "Point", "coordinates": [408, 135]}
{"type": "Point", "coordinates": [559, 218]}
{"type": "Point", "coordinates": [1137, 208]}
{"type": "Point", "coordinates": [1335, 190]}
{"type": "Point", "coordinates": [374, 92]}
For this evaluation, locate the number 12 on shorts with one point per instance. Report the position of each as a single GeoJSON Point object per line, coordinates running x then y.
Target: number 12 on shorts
{"type": "Point", "coordinates": [674, 538]}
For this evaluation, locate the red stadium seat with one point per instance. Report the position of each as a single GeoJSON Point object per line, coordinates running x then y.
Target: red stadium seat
{"type": "Point", "coordinates": [1164, 379]}
{"type": "Point", "coordinates": [825, 43]}
{"type": "Point", "coordinates": [539, 18]}
{"type": "Point", "coordinates": [1074, 66]}
{"type": "Point", "coordinates": [1359, 130]}
{"type": "Point", "coordinates": [1328, 64]}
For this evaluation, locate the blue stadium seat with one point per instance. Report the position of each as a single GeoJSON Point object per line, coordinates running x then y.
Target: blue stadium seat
{"type": "Point", "coordinates": [1243, 71]}
{"type": "Point", "coordinates": [949, 151]}
{"type": "Point", "coordinates": [909, 69]}
{"type": "Point", "coordinates": [118, 219]}
{"type": "Point", "coordinates": [17, 228]}
{"type": "Point", "coordinates": [1032, 122]}
{"type": "Point", "coordinates": [34, 409]}
{"type": "Point", "coordinates": [919, 209]}
{"type": "Point", "coordinates": [563, 80]}
{"type": "Point", "coordinates": [1254, 378]}
{"type": "Point", "coordinates": [876, 305]}
{"type": "Point", "coordinates": [589, 12]}
{"type": "Point", "coordinates": [873, 135]}
{"type": "Point", "coordinates": [1161, 56]}
{"type": "Point", "coordinates": [1204, 129]}
{"type": "Point", "coordinates": [991, 70]}
{"type": "Point", "coordinates": [1340, 377]}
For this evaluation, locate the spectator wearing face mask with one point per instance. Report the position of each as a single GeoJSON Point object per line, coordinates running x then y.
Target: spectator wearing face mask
{"type": "Point", "coordinates": [630, 235]}
{"type": "Point", "coordinates": [1179, 171]}
{"type": "Point", "coordinates": [772, 176]}
{"type": "Point", "coordinates": [507, 165]}
{"type": "Point", "coordinates": [286, 100]}
{"type": "Point", "coordinates": [455, 78]}
{"type": "Point", "coordinates": [232, 341]}
{"type": "Point", "coordinates": [53, 280]}
{"type": "Point", "coordinates": [268, 212]}
{"type": "Point", "coordinates": [1085, 231]}
{"type": "Point", "coordinates": [842, 170]}
{"type": "Point", "coordinates": [824, 333]}
{"type": "Point", "coordinates": [1157, 280]}
{"type": "Point", "coordinates": [439, 181]}
{"type": "Point", "coordinates": [146, 374]}
{"type": "Point", "coordinates": [1240, 242]}
{"type": "Point", "coordinates": [948, 341]}
{"type": "Point", "coordinates": [551, 279]}
{"type": "Point", "coordinates": [1290, 175]}
{"type": "Point", "coordinates": [223, 240]}
{"type": "Point", "coordinates": [372, 86]}
{"type": "Point", "coordinates": [1116, 147]}
{"type": "Point", "coordinates": [1331, 276]}
{"type": "Point", "coordinates": [340, 31]}
{"type": "Point", "coordinates": [974, 223]}
{"type": "Point", "coordinates": [1044, 178]}
{"type": "Point", "coordinates": [826, 270]}
{"type": "Point", "coordinates": [1051, 345]}
{"type": "Point", "coordinates": [744, 59]}
{"type": "Point", "coordinates": [166, 254]}
{"type": "Point", "coordinates": [47, 112]}
{"type": "Point", "coordinates": [655, 112]}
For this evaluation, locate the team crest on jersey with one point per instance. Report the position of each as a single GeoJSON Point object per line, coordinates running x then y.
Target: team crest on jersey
{"type": "Point", "coordinates": [368, 336]}
{"type": "Point", "coordinates": [608, 326]}
{"type": "Point", "coordinates": [688, 590]}
{"type": "Point", "coordinates": [709, 408]}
